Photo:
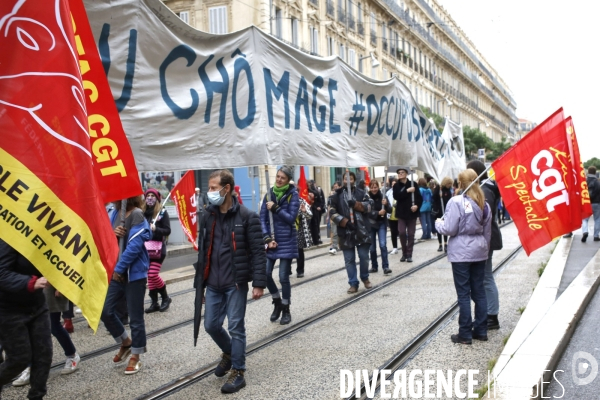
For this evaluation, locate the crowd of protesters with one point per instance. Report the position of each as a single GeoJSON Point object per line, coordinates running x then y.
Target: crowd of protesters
{"type": "Point", "coordinates": [241, 249]}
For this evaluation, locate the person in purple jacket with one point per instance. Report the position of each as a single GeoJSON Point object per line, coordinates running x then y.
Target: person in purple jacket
{"type": "Point", "coordinates": [280, 208]}
{"type": "Point", "coordinates": [467, 221]}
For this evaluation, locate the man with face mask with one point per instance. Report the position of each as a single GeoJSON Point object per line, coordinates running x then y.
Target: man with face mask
{"type": "Point", "coordinates": [349, 211]}
{"type": "Point", "coordinates": [233, 255]}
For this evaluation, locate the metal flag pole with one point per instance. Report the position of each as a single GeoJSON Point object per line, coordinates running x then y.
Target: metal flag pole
{"type": "Point", "coordinates": [477, 180]}
{"type": "Point", "coordinates": [349, 194]}
{"type": "Point", "coordinates": [161, 207]}
{"type": "Point", "coordinates": [199, 277]}
{"type": "Point", "coordinates": [268, 181]}
{"type": "Point", "coordinates": [412, 184]}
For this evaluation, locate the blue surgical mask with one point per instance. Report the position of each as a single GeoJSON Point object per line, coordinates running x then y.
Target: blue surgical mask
{"type": "Point", "coordinates": [215, 198]}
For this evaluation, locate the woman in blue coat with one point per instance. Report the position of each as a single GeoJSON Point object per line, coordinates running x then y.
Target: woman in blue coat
{"type": "Point", "coordinates": [280, 207]}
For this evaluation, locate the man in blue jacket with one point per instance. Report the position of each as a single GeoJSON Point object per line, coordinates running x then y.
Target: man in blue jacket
{"type": "Point", "coordinates": [129, 281]}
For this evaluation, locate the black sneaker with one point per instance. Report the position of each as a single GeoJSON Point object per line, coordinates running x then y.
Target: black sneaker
{"type": "Point", "coordinates": [403, 258]}
{"type": "Point", "coordinates": [596, 239]}
{"type": "Point", "coordinates": [440, 248]}
{"type": "Point", "coordinates": [224, 366]}
{"type": "Point", "coordinates": [584, 237]}
{"type": "Point", "coordinates": [300, 275]}
{"type": "Point", "coordinates": [374, 270]}
{"type": "Point", "coordinates": [492, 322]}
{"type": "Point", "coordinates": [459, 340]}
{"type": "Point", "coordinates": [235, 382]}
{"type": "Point", "coordinates": [568, 235]}
{"type": "Point", "coordinates": [387, 271]}
{"type": "Point", "coordinates": [409, 259]}
{"type": "Point", "coordinates": [483, 338]}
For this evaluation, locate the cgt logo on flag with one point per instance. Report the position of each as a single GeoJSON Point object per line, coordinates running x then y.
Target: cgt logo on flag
{"type": "Point", "coordinates": [536, 181]}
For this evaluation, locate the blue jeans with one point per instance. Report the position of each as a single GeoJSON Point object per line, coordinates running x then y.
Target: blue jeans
{"type": "Point", "coordinates": [230, 302]}
{"type": "Point", "coordinates": [285, 267]}
{"type": "Point", "coordinates": [468, 281]}
{"type": "Point", "coordinates": [491, 290]}
{"type": "Point", "coordinates": [61, 334]}
{"type": "Point", "coordinates": [425, 218]}
{"type": "Point", "coordinates": [134, 293]}
{"type": "Point", "coordinates": [596, 215]}
{"type": "Point", "coordinates": [381, 232]}
{"type": "Point", "coordinates": [350, 261]}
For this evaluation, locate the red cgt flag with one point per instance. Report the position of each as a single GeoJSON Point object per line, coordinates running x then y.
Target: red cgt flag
{"type": "Point", "coordinates": [581, 192]}
{"type": "Point", "coordinates": [51, 210]}
{"type": "Point", "coordinates": [303, 186]}
{"type": "Point", "coordinates": [114, 164]}
{"type": "Point", "coordinates": [535, 180]}
{"type": "Point", "coordinates": [184, 197]}
{"type": "Point", "coordinates": [367, 177]}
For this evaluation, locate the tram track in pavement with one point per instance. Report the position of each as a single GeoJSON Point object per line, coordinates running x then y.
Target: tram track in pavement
{"type": "Point", "coordinates": [181, 324]}
{"type": "Point", "coordinates": [113, 347]}
{"type": "Point", "coordinates": [403, 357]}
{"type": "Point", "coordinates": [207, 370]}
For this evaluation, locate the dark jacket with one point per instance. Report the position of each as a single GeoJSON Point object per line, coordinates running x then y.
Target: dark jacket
{"type": "Point", "coordinates": [162, 227]}
{"type": "Point", "coordinates": [340, 213]}
{"type": "Point", "coordinates": [492, 197]}
{"type": "Point", "coordinates": [374, 218]}
{"type": "Point", "coordinates": [284, 221]}
{"type": "Point", "coordinates": [16, 272]}
{"type": "Point", "coordinates": [319, 198]}
{"type": "Point", "coordinates": [436, 199]}
{"type": "Point", "coordinates": [594, 188]}
{"type": "Point", "coordinates": [248, 262]}
{"type": "Point", "coordinates": [404, 200]}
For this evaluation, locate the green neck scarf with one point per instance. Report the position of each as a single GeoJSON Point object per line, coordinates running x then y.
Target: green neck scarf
{"type": "Point", "coordinates": [280, 191]}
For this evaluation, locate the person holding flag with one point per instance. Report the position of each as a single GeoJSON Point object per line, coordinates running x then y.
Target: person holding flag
{"type": "Point", "coordinates": [158, 218]}
{"type": "Point", "coordinates": [350, 208]}
{"type": "Point", "coordinates": [129, 281]}
{"type": "Point", "coordinates": [278, 220]}
{"type": "Point", "coordinates": [408, 203]}
{"type": "Point", "coordinates": [467, 221]}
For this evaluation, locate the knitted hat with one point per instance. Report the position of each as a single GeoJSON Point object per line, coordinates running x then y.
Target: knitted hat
{"type": "Point", "coordinates": [155, 192]}
{"type": "Point", "coordinates": [288, 170]}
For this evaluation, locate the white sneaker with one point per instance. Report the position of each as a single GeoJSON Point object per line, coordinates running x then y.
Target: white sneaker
{"type": "Point", "coordinates": [23, 379]}
{"type": "Point", "coordinates": [77, 310]}
{"type": "Point", "coordinates": [332, 252]}
{"type": "Point", "coordinates": [71, 365]}
{"type": "Point", "coordinates": [394, 251]}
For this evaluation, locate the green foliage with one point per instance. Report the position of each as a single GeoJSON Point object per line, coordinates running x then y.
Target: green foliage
{"type": "Point", "coordinates": [592, 161]}
{"type": "Point", "coordinates": [521, 310]}
{"type": "Point", "coordinates": [475, 140]}
{"type": "Point", "coordinates": [498, 149]}
{"type": "Point", "coordinates": [438, 120]}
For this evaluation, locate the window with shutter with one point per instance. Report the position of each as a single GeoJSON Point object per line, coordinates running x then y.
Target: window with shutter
{"type": "Point", "coordinates": [217, 18]}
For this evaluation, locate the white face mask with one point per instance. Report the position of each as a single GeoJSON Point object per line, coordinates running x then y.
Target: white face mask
{"type": "Point", "coordinates": [215, 198]}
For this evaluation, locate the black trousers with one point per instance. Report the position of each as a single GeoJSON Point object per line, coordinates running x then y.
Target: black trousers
{"type": "Point", "coordinates": [315, 226]}
{"type": "Point", "coordinates": [300, 261]}
{"type": "Point", "coordinates": [26, 340]}
{"type": "Point", "coordinates": [394, 231]}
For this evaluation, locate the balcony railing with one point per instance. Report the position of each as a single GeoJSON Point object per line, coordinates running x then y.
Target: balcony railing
{"type": "Point", "coordinates": [426, 36]}
{"type": "Point", "coordinates": [385, 44]}
{"type": "Point", "coordinates": [351, 23]}
{"type": "Point", "coordinates": [374, 38]}
{"type": "Point", "coordinates": [360, 28]}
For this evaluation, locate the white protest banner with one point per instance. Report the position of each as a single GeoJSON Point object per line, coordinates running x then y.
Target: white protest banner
{"type": "Point", "coordinates": [192, 100]}
{"type": "Point", "coordinates": [455, 162]}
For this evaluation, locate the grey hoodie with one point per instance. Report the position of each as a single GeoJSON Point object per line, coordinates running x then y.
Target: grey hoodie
{"type": "Point", "coordinates": [469, 228]}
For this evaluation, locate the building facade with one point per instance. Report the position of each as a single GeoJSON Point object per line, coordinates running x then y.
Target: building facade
{"type": "Point", "coordinates": [415, 40]}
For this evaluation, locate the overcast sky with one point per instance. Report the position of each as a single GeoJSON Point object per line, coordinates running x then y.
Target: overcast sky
{"type": "Point", "coordinates": [547, 53]}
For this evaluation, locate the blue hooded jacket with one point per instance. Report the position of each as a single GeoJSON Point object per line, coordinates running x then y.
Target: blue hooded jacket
{"type": "Point", "coordinates": [134, 260]}
{"type": "Point", "coordinates": [284, 220]}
